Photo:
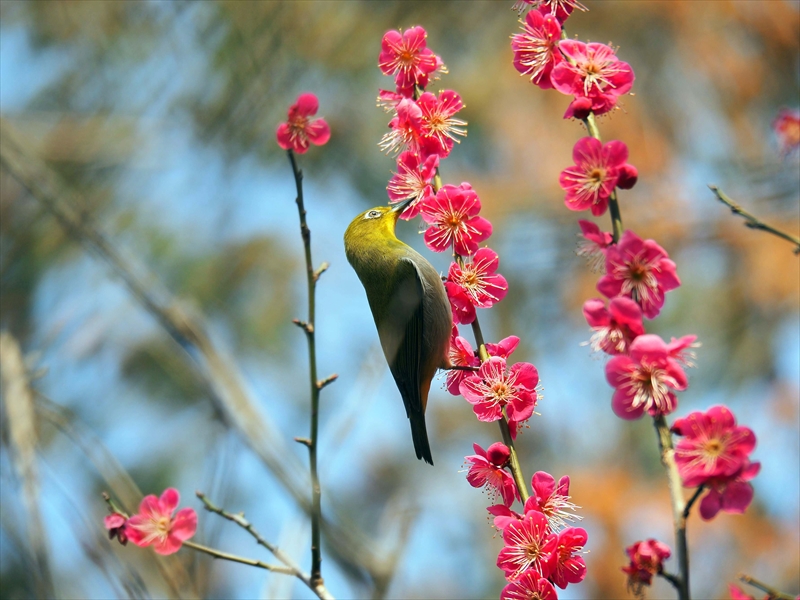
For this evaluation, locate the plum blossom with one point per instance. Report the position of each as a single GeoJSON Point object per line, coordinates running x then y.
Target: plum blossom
{"type": "Point", "coordinates": [154, 524]}
{"type": "Point", "coordinates": [487, 470]}
{"type": "Point", "coordinates": [460, 303]}
{"type": "Point", "coordinates": [300, 130]}
{"type": "Point", "coordinates": [453, 220]}
{"type": "Point", "coordinates": [530, 585]}
{"type": "Point", "coordinates": [412, 182]}
{"type": "Point", "coordinates": [460, 354]}
{"type": "Point", "coordinates": [737, 593]}
{"type": "Point", "coordinates": [640, 270]}
{"type": "Point", "coordinates": [712, 445]}
{"type": "Point", "coordinates": [614, 327]}
{"type": "Point", "coordinates": [503, 515]}
{"type": "Point", "coordinates": [570, 567]}
{"type": "Point", "coordinates": [594, 244]}
{"type": "Point", "coordinates": [787, 127]}
{"type": "Point", "coordinates": [529, 544]}
{"type": "Point", "coordinates": [504, 348]}
{"type": "Point", "coordinates": [494, 389]}
{"type": "Point", "coordinates": [561, 9]}
{"type": "Point", "coordinates": [536, 48]}
{"type": "Point", "coordinates": [406, 56]}
{"type": "Point", "coordinates": [729, 494]}
{"type": "Point", "coordinates": [646, 559]}
{"type": "Point", "coordinates": [591, 72]}
{"type": "Point", "coordinates": [439, 127]}
{"type": "Point", "coordinates": [116, 523]}
{"type": "Point", "coordinates": [596, 172]}
{"type": "Point", "coordinates": [645, 379]}
{"type": "Point", "coordinates": [404, 128]}
{"type": "Point", "coordinates": [551, 500]}
{"type": "Point", "coordinates": [478, 280]}
{"type": "Point", "coordinates": [682, 349]}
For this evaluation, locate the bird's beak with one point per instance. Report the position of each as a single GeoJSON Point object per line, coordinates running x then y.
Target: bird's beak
{"type": "Point", "coordinates": [399, 208]}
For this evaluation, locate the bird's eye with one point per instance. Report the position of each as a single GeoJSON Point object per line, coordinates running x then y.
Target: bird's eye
{"type": "Point", "coordinates": [373, 214]}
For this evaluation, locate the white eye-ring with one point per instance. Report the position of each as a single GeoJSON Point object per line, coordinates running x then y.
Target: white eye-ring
{"type": "Point", "coordinates": [373, 214]}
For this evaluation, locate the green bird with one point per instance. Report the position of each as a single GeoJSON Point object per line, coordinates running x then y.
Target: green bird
{"type": "Point", "coordinates": [410, 308]}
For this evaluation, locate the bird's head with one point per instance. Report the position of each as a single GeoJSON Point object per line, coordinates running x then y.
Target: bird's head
{"type": "Point", "coordinates": [374, 226]}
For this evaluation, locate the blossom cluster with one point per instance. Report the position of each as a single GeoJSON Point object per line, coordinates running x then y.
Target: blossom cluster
{"type": "Point", "coordinates": [540, 551]}
{"type": "Point", "coordinates": [154, 524]}
{"type": "Point", "coordinates": [644, 370]}
{"type": "Point", "coordinates": [715, 453]}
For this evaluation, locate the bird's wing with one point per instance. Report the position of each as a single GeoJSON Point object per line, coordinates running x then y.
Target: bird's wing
{"type": "Point", "coordinates": [406, 313]}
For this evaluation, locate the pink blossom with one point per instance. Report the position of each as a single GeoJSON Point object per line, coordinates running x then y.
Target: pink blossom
{"type": "Point", "coordinates": [712, 445]}
{"type": "Point", "coordinates": [647, 559]}
{"type": "Point", "coordinates": [681, 349]}
{"type": "Point", "coordinates": [570, 567]}
{"type": "Point", "coordinates": [530, 586]}
{"type": "Point", "coordinates": [594, 72]}
{"type": "Point", "coordinates": [388, 100]}
{"type": "Point", "coordinates": [640, 270]}
{"type": "Point", "coordinates": [478, 279]}
{"type": "Point", "coordinates": [614, 327]}
{"type": "Point", "coordinates": [487, 470]}
{"type": "Point", "coordinates": [404, 128]}
{"type": "Point", "coordinates": [494, 389]}
{"type": "Point", "coordinates": [116, 523]}
{"type": "Point", "coordinates": [460, 354]}
{"type": "Point", "coordinates": [155, 525]}
{"type": "Point", "coordinates": [406, 56]}
{"type": "Point", "coordinates": [787, 127]}
{"type": "Point", "coordinates": [536, 48]}
{"type": "Point", "coordinates": [645, 379]}
{"type": "Point", "coordinates": [529, 544]}
{"type": "Point", "coordinates": [454, 221]}
{"type": "Point", "coordinates": [729, 494]}
{"type": "Point", "coordinates": [561, 9]}
{"type": "Point", "coordinates": [504, 348]}
{"type": "Point", "coordinates": [412, 182]}
{"type": "Point", "coordinates": [594, 245]}
{"type": "Point", "coordinates": [590, 182]}
{"type": "Point", "coordinates": [503, 515]}
{"type": "Point", "coordinates": [440, 128]}
{"type": "Point", "coordinates": [460, 303]}
{"type": "Point", "coordinates": [300, 129]}
{"type": "Point", "coordinates": [551, 500]}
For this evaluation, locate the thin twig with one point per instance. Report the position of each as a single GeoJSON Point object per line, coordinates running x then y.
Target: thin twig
{"type": "Point", "coordinates": [752, 221]}
{"type": "Point", "coordinates": [222, 376]}
{"type": "Point", "coordinates": [239, 559]}
{"type": "Point", "coordinates": [678, 503]}
{"type": "Point", "coordinates": [692, 500]}
{"type": "Point", "coordinates": [316, 386]}
{"type": "Point", "coordinates": [772, 593]}
{"type": "Point", "coordinates": [673, 579]}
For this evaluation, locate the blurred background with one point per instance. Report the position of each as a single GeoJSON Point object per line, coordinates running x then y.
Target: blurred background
{"type": "Point", "coordinates": [156, 122]}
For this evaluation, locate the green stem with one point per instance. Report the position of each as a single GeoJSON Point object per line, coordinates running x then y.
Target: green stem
{"type": "Point", "coordinates": [308, 327]}
{"type": "Point", "coordinates": [678, 504]}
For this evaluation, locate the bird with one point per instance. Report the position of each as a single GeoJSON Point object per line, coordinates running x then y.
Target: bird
{"type": "Point", "coordinates": [410, 308]}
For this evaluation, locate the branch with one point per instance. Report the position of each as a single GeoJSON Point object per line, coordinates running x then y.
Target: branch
{"type": "Point", "coordinates": [752, 221]}
{"type": "Point", "coordinates": [772, 593]}
{"type": "Point", "coordinates": [692, 500]}
{"type": "Point", "coordinates": [316, 386]}
{"type": "Point", "coordinates": [289, 568]}
{"type": "Point", "coordinates": [678, 504]}
{"type": "Point", "coordinates": [225, 382]}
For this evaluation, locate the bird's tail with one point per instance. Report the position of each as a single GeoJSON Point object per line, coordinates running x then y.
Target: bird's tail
{"type": "Point", "coordinates": [419, 433]}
